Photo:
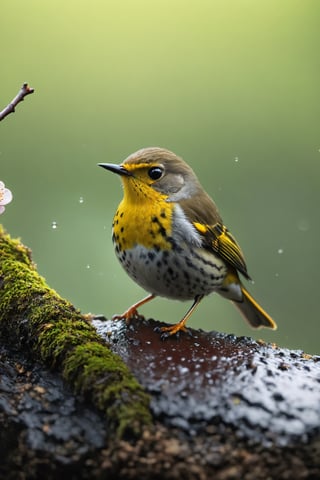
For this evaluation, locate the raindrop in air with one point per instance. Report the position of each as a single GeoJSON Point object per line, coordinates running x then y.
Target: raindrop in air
{"type": "Point", "coordinates": [81, 200]}
{"type": "Point", "coordinates": [280, 251]}
{"type": "Point", "coordinates": [236, 159]}
{"type": "Point", "coordinates": [54, 225]}
{"type": "Point", "coordinates": [87, 267]}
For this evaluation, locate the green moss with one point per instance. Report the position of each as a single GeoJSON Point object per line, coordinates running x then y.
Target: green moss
{"type": "Point", "coordinates": [36, 318]}
{"type": "Point", "coordinates": [96, 372]}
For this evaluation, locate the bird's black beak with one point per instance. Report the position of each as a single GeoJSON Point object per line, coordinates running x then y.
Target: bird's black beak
{"type": "Point", "coordinates": [119, 169]}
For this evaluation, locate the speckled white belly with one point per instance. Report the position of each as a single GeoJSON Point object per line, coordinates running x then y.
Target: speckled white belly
{"type": "Point", "coordinates": [178, 273]}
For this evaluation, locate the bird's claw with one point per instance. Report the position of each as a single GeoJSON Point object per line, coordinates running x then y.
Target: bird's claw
{"type": "Point", "coordinates": [170, 331]}
{"type": "Point", "coordinates": [165, 335]}
{"type": "Point", "coordinates": [128, 316]}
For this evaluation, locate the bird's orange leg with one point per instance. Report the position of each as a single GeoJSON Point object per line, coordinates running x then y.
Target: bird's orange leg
{"type": "Point", "coordinates": [132, 312]}
{"type": "Point", "coordinates": [180, 326]}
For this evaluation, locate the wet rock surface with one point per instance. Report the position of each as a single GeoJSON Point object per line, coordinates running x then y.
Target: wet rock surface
{"type": "Point", "coordinates": [47, 432]}
{"type": "Point", "coordinates": [39, 411]}
{"type": "Point", "coordinates": [264, 393]}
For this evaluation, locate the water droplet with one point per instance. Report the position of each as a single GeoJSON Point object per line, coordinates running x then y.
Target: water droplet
{"type": "Point", "coordinates": [183, 370]}
{"type": "Point", "coordinates": [280, 251]}
{"type": "Point", "coordinates": [88, 266]}
{"type": "Point", "coordinates": [54, 225]}
{"type": "Point", "coordinates": [81, 200]}
{"type": "Point", "coordinates": [276, 275]}
{"type": "Point", "coordinates": [236, 159]}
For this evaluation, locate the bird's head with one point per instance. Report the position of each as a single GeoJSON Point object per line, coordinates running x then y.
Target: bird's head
{"type": "Point", "coordinates": [153, 172]}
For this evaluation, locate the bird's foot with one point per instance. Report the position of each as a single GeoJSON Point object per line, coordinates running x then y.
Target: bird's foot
{"type": "Point", "coordinates": [171, 330]}
{"type": "Point", "coordinates": [132, 312]}
{"type": "Point", "coordinates": [129, 315]}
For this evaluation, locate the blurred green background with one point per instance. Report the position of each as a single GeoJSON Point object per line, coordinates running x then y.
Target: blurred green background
{"type": "Point", "coordinates": [231, 86]}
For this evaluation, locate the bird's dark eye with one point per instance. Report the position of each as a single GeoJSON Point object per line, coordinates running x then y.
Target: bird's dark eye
{"type": "Point", "coordinates": [155, 173]}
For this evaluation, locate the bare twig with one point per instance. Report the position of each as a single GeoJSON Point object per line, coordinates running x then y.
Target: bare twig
{"type": "Point", "coordinates": [10, 108]}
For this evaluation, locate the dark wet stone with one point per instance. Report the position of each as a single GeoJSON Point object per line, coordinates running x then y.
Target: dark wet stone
{"type": "Point", "coordinates": [38, 403]}
{"type": "Point", "coordinates": [266, 394]}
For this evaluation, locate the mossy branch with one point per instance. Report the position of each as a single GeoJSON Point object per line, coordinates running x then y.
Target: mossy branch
{"type": "Point", "coordinates": [34, 318]}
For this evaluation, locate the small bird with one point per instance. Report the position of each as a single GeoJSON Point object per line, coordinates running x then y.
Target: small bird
{"type": "Point", "coordinates": [170, 238]}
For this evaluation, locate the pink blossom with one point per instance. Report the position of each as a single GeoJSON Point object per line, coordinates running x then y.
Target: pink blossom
{"type": "Point", "coordinates": [5, 197]}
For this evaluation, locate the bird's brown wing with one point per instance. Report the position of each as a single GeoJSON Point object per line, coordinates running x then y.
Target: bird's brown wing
{"type": "Point", "coordinates": [203, 214]}
{"type": "Point", "coordinates": [219, 239]}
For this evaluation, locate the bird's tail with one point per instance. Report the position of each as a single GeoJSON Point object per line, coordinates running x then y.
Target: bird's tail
{"type": "Point", "coordinates": [252, 311]}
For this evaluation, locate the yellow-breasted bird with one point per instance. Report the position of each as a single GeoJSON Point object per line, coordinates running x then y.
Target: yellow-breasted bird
{"type": "Point", "coordinates": [170, 238]}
